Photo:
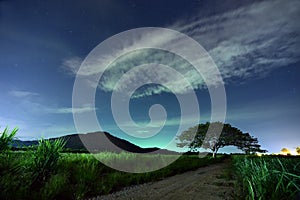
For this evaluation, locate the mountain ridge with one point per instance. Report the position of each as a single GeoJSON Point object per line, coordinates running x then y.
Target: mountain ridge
{"type": "Point", "coordinates": [99, 141]}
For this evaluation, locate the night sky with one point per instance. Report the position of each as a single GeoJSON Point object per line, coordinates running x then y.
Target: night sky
{"type": "Point", "coordinates": [255, 45]}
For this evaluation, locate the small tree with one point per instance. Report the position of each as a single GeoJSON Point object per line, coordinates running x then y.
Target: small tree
{"type": "Point", "coordinates": [285, 151]}
{"type": "Point", "coordinates": [6, 138]}
{"type": "Point", "coordinates": [298, 150]}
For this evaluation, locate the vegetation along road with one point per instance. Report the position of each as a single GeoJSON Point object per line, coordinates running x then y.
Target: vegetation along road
{"type": "Point", "coordinates": [204, 183]}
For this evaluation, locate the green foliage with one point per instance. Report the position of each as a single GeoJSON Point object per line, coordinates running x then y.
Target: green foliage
{"type": "Point", "coordinates": [6, 138]}
{"type": "Point", "coordinates": [249, 144]}
{"type": "Point", "coordinates": [217, 135]}
{"type": "Point", "coordinates": [267, 178]}
{"type": "Point", "coordinates": [15, 176]}
{"type": "Point", "coordinates": [79, 176]}
{"type": "Point", "coordinates": [84, 173]}
{"type": "Point", "coordinates": [55, 188]}
{"type": "Point", "coordinates": [45, 159]}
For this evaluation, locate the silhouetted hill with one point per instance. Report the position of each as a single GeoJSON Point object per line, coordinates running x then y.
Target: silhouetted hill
{"type": "Point", "coordinates": [99, 142]}
{"type": "Point", "coordinates": [21, 143]}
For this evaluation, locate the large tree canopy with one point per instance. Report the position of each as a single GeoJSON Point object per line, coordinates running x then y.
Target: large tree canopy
{"type": "Point", "coordinates": [214, 140]}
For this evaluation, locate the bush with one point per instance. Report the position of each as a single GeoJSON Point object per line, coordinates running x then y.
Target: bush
{"type": "Point", "coordinates": [45, 159]}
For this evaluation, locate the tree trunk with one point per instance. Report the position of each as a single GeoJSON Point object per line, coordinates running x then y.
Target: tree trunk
{"type": "Point", "coordinates": [215, 150]}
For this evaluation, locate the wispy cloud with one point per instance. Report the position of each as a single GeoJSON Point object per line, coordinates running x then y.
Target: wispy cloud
{"type": "Point", "coordinates": [251, 40]}
{"type": "Point", "coordinates": [27, 101]}
{"type": "Point", "coordinates": [144, 128]}
{"type": "Point", "coordinates": [247, 42]}
{"type": "Point", "coordinates": [68, 110]}
{"type": "Point", "coordinates": [22, 94]}
{"type": "Point", "coordinates": [72, 65]}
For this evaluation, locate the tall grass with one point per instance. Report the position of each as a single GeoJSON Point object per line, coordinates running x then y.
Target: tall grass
{"type": "Point", "coordinates": [43, 172]}
{"type": "Point", "coordinates": [45, 159]}
{"type": "Point", "coordinates": [78, 176]}
{"type": "Point", "coordinates": [31, 174]}
{"type": "Point", "coordinates": [267, 178]}
{"type": "Point", "coordinates": [6, 138]}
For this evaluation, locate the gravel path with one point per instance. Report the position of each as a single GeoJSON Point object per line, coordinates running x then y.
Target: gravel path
{"type": "Point", "coordinates": [204, 183]}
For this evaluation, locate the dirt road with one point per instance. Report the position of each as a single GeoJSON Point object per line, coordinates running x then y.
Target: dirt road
{"type": "Point", "coordinates": [205, 183]}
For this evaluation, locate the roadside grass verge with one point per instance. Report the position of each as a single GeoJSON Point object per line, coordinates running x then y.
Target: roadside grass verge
{"type": "Point", "coordinates": [267, 177]}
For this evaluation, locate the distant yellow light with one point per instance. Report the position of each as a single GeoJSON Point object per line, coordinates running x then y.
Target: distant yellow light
{"type": "Point", "coordinates": [294, 153]}
{"type": "Point", "coordinates": [258, 154]}
{"type": "Point", "coordinates": [285, 151]}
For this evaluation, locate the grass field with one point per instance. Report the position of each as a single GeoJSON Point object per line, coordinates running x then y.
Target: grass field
{"type": "Point", "coordinates": [24, 175]}
{"type": "Point", "coordinates": [77, 176]}
{"type": "Point", "coordinates": [43, 172]}
{"type": "Point", "coordinates": [267, 177]}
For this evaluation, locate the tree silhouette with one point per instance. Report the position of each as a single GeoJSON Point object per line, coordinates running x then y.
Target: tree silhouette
{"type": "Point", "coordinates": [208, 136]}
{"type": "Point", "coordinates": [249, 144]}
{"type": "Point", "coordinates": [298, 150]}
{"type": "Point", "coordinates": [285, 151]}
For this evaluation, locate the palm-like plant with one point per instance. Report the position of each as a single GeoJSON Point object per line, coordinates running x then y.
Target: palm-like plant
{"type": "Point", "coordinates": [45, 158]}
{"type": "Point", "coordinates": [6, 138]}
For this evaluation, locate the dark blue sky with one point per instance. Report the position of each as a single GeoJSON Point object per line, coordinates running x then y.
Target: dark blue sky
{"type": "Point", "coordinates": [255, 45]}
